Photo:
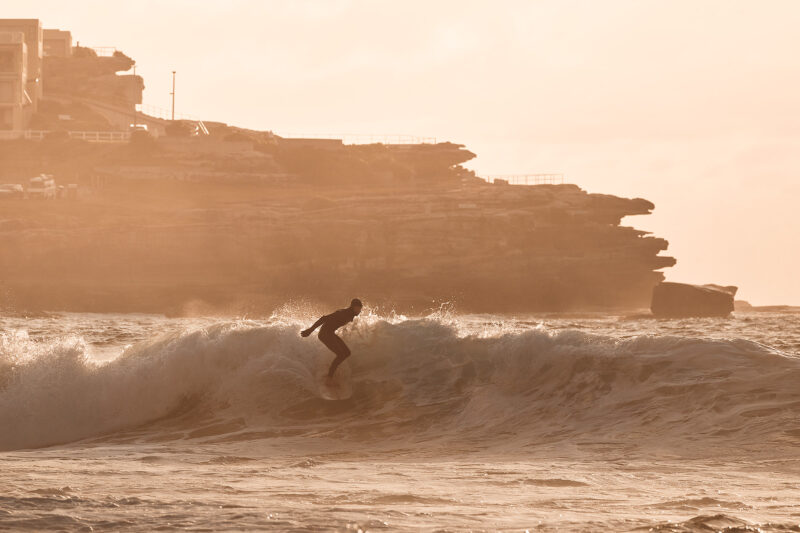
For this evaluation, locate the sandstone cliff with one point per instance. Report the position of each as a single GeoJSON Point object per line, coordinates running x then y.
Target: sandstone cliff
{"type": "Point", "coordinates": [247, 226]}
{"type": "Point", "coordinates": [241, 220]}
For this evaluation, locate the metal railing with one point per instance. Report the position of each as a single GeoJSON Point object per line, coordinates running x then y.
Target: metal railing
{"type": "Point", "coordinates": [101, 136]}
{"type": "Point", "coordinates": [89, 136]}
{"type": "Point", "coordinates": [362, 138]}
{"type": "Point", "coordinates": [527, 179]}
{"type": "Point", "coordinates": [162, 113]}
{"type": "Point", "coordinates": [104, 51]}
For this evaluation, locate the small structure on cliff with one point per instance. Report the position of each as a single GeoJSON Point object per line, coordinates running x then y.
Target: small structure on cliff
{"type": "Point", "coordinates": [676, 300]}
{"type": "Point", "coordinates": [57, 43]}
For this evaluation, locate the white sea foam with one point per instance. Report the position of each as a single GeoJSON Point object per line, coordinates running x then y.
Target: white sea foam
{"type": "Point", "coordinates": [423, 379]}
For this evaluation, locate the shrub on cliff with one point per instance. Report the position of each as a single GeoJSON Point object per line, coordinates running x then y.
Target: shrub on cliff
{"type": "Point", "coordinates": [142, 143]}
{"type": "Point", "coordinates": [237, 137]}
{"type": "Point", "coordinates": [179, 128]}
{"type": "Point", "coordinates": [83, 51]}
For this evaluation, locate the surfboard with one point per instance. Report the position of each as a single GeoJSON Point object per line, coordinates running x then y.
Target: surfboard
{"type": "Point", "coordinates": [333, 389]}
{"type": "Point", "coordinates": [339, 387]}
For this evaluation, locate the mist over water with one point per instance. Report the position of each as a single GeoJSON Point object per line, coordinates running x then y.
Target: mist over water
{"type": "Point", "coordinates": [535, 414]}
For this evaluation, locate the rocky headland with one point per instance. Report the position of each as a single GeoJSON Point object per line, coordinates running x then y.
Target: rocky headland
{"type": "Point", "coordinates": [241, 221]}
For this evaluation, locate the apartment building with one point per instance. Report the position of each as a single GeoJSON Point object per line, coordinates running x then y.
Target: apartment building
{"type": "Point", "coordinates": [57, 43]}
{"type": "Point", "coordinates": [34, 41]}
{"type": "Point", "coordinates": [15, 104]}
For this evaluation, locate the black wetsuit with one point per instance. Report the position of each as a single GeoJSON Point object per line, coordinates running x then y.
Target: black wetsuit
{"type": "Point", "coordinates": [332, 322]}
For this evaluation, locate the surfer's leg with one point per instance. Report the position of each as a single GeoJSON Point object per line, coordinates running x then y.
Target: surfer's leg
{"type": "Point", "coordinates": [337, 346]}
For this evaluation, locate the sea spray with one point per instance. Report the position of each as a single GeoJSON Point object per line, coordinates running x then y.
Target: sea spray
{"type": "Point", "coordinates": [424, 380]}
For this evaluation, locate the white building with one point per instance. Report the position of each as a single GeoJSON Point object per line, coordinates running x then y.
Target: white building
{"type": "Point", "coordinates": [34, 41]}
{"type": "Point", "coordinates": [57, 43]}
{"type": "Point", "coordinates": [15, 103]}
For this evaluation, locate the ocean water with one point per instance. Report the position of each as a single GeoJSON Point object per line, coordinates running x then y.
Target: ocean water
{"type": "Point", "coordinates": [586, 423]}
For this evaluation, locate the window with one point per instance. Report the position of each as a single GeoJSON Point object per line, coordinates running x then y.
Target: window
{"type": "Point", "coordinates": [6, 119]}
{"type": "Point", "coordinates": [7, 63]}
{"type": "Point", "coordinates": [7, 92]}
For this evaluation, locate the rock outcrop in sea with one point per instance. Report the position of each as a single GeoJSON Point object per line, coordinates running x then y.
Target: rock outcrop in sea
{"type": "Point", "coordinates": [673, 300]}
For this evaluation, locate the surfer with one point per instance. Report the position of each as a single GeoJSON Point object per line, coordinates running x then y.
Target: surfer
{"type": "Point", "coordinates": [330, 323]}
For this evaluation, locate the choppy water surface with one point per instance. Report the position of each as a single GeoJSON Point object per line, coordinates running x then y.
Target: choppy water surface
{"type": "Point", "coordinates": [456, 422]}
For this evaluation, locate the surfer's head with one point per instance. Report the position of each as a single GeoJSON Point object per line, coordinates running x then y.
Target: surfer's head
{"type": "Point", "coordinates": [356, 305]}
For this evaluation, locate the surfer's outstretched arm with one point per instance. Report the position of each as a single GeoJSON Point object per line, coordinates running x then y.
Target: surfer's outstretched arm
{"type": "Point", "coordinates": [318, 323]}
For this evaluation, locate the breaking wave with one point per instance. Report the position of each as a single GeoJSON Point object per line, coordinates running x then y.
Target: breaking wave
{"type": "Point", "coordinates": [413, 380]}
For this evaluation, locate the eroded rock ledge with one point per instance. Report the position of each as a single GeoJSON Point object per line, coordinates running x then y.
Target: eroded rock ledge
{"type": "Point", "coordinates": [210, 233]}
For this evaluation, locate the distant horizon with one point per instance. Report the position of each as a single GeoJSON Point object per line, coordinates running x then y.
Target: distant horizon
{"type": "Point", "coordinates": [691, 105]}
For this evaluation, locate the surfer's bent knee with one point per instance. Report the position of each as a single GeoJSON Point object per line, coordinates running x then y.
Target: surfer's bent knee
{"type": "Point", "coordinates": [342, 352]}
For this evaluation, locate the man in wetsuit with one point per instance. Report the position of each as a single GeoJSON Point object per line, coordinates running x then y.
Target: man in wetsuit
{"type": "Point", "coordinates": [330, 323]}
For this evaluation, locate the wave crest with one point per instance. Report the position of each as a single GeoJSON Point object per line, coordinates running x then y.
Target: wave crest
{"type": "Point", "coordinates": [421, 379]}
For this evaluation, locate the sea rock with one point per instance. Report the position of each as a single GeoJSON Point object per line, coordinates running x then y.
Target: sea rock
{"type": "Point", "coordinates": [684, 300]}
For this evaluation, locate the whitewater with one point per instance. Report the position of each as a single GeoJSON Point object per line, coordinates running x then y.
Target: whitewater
{"type": "Point", "coordinates": [456, 422]}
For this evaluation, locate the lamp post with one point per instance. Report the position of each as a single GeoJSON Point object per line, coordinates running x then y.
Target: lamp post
{"type": "Point", "coordinates": [134, 103]}
{"type": "Point", "coordinates": [173, 95]}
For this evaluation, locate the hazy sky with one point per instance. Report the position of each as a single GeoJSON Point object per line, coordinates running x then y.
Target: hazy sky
{"type": "Point", "coordinates": [694, 105]}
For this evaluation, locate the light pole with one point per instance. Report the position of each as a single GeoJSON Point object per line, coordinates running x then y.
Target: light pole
{"type": "Point", "coordinates": [134, 103]}
{"type": "Point", "coordinates": [173, 95]}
